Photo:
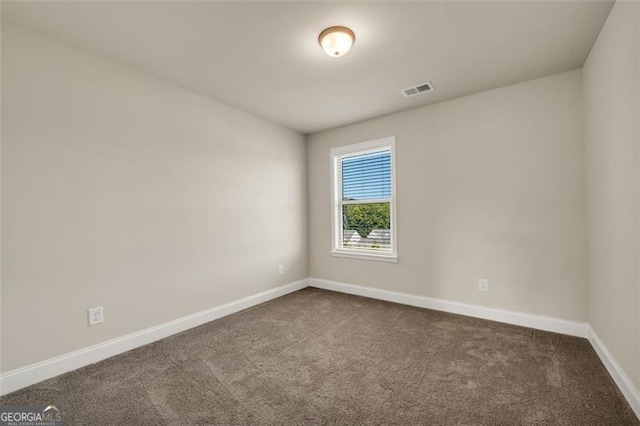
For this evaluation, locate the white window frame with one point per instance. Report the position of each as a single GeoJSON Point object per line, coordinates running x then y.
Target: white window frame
{"type": "Point", "coordinates": [336, 155]}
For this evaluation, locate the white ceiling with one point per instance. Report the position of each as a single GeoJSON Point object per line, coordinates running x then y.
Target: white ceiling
{"type": "Point", "coordinates": [263, 57]}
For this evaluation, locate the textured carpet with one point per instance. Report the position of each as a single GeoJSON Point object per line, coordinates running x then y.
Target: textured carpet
{"type": "Point", "coordinates": [319, 357]}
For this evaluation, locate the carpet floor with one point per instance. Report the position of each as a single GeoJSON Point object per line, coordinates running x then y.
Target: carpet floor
{"type": "Point", "coordinates": [320, 357]}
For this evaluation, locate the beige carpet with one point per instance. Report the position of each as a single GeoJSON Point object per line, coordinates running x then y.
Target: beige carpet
{"type": "Point", "coordinates": [319, 357]}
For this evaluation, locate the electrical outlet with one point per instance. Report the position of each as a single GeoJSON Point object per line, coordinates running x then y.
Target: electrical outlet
{"type": "Point", "coordinates": [483, 284]}
{"type": "Point", "coordinates": [280, 269]}
{"type": "Point", "coordinates": [96, 315]}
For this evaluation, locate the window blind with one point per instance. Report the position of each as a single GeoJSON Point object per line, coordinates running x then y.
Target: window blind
{"type": "Point", "coordinates": [366, 176]}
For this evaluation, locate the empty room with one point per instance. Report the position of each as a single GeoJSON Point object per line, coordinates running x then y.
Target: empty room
{"type": "Point", "coordinates": [302, 213]}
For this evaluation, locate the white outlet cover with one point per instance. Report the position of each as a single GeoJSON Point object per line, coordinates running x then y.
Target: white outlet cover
{"type": "Point", "coordinates": [280, 269]}
{"type": "Point", "coordinates": [96, 315]}
{"type": "Point", "coordinates": [483, 284]}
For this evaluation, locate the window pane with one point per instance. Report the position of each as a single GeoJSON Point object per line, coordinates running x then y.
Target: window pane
{"type": "Point", "coordinates": [367, 226]}
{"type": "Point", "coordinates": [367, 176]}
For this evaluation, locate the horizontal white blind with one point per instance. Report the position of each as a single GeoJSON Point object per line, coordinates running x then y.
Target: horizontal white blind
{"type": "Point", "coordinates": [366, 176]}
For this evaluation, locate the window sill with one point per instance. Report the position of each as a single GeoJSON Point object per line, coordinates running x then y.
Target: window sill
{"type": "Point", "coordinates": [366, 256]}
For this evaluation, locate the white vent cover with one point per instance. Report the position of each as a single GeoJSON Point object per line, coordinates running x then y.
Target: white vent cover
{"type": "Point", "coordinates": [416, 90]}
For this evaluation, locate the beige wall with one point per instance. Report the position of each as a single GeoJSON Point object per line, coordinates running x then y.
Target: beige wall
{"type": "Point", "coordinates": [122, 191]}
{"type": "Point", "coordinates": [612, 117]}
{"type": "Point", "coordinates": [488, 186]}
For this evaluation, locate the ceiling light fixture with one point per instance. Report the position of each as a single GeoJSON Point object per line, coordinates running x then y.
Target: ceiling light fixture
{"type": "Point", "coordinates": [336, 41]}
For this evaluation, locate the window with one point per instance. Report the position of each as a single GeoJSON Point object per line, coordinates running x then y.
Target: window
{"type": "Point", "coordinates": [363, 197]}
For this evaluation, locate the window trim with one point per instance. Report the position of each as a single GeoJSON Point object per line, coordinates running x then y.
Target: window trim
{"type": "Point", "coordinates": [336, 202]}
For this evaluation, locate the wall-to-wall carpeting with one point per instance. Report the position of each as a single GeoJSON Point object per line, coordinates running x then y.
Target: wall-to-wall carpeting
{"type": "Point", "coordinates": [319, 357]}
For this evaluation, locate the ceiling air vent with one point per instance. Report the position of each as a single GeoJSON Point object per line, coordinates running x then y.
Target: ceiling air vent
{"type": "Point", "coordinates": [416, 90]}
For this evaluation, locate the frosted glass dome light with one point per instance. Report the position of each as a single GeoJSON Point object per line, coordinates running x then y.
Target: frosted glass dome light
{"type": "Point", "coordinates": [336, 41]}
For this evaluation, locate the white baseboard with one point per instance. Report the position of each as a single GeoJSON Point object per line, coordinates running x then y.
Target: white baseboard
{"type": "Point", "coordinates": [626, 386]}
{"type": "Point", "coordinates": [34, 373]}
{"type": "Point", "coordinates": [572, 328]}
